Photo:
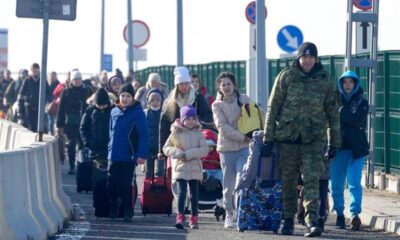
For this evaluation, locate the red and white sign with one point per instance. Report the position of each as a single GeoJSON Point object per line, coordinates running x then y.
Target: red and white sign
{"type": "Point", "coordinates": [141, 33]}
{"type": "Point", "coordinates": [250, 12]}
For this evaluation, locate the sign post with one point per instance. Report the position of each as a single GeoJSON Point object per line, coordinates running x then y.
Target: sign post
{"type": "Point", "coordinates": [3, 49]}
{"type": "Point", "coordinates": [289, 38]}
{"type": "Point", "coordinates": [46, 10]}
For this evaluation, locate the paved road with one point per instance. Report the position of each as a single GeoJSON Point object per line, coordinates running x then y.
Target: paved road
{"type": "Point", "coordinates": [85, 226]}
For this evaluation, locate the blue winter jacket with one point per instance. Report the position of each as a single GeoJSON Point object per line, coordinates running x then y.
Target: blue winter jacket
{"type": "Point", "coordinates": [128, 134]}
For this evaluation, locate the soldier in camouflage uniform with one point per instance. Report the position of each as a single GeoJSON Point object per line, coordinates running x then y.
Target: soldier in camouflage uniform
{"type": "Point", "coordinates": [302, 105]}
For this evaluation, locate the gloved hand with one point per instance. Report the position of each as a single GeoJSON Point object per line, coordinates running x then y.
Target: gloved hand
{"type": "Point", "coordinates": [266, 149]}
{"type": "Point", "coordinates": [331, 152]}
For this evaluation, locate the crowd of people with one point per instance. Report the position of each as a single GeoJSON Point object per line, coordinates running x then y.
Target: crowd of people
{"type": "Point", "coordinates": [319, 128]}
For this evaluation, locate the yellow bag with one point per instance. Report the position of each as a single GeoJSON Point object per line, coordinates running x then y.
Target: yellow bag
{"type": "Point", "coordinates": [251, 119]}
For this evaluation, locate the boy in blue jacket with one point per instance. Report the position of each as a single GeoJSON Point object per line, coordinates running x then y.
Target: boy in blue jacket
{"type": "Point", "coordinates": [127, 147]}
{"type": "Point", "coordinates": [348, 162]}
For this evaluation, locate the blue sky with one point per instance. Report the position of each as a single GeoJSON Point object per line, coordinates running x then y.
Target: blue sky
{"type": "Point", "coordinates": [213, 31]}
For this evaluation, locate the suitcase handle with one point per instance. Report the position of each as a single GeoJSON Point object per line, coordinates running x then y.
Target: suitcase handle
{"type": "Point", "coordinates": [272, 170]}
{"type": "Point", "coordinates": [165, 172]}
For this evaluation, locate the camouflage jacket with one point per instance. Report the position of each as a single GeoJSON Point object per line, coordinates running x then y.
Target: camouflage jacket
{"type": "Point", "coordinates": [303, 106]}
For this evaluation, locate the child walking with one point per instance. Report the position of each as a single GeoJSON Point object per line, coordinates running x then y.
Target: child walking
{"type": "Point", "coordinates": [186, 145]}
{"type": "Point", "coordinates": [128, 145]}
{"type": "Point", "coordinates": [348, 162]}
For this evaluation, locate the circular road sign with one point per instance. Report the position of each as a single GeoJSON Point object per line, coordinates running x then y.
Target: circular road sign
{"type": "Point", "coordinates": [141, 33]}
{"type": "Point", "coordinates": [250, 12]}
{"type": "Point", "coordinates": [364, 5]}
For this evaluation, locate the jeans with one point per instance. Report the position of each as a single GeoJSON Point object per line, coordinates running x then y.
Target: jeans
{"type": "Point", "coordinates": [341, 167]}
{"type": "Point", "coordinates": [193, 194]}
{"type": "Point", "coordinates": [232, 165]}
{"type": "Point", "coordinates": [154, 166]}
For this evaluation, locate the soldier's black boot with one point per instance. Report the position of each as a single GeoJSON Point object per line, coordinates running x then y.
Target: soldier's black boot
{"type": "Point", "coordinates": [321, 224]}
{"type": "Point", "coordinates": [313, 230]}
{"type": "Point", "coordinates": [288, 227]}
{"type": "Point", "coordinates": [341, 222]}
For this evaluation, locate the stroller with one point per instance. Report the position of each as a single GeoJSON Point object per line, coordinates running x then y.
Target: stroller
{"type": "Point", "coordinates": [210, 189]}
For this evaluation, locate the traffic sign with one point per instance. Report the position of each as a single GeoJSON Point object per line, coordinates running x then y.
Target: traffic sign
{"type": "Point", "coordinates": [107, 63]}
{"type": "Point", "coordinates": [58, 10]}
{"type": "Point", "coordinates": [250, 12]}
{"type": "Point", "coordinates": [364, 5]}
{"type": "Point", "coordinates": [290, 38]}
{"type": "Point", "coordinates": [141, 33]}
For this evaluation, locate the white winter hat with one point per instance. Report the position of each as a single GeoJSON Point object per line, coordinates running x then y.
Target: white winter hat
{"type": "Point", "coordinates": [75, 74]}
{"type": "Point", "coordinates": [181, 75]}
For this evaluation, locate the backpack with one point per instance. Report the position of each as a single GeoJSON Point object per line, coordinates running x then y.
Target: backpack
{"type": "Point", "coordinates": [251, 119]}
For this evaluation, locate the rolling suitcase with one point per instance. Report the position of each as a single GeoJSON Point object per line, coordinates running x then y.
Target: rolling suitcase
{"type": "Point", "coordinates": [101, 202]}
{"type": "Point", "coordinates": [157, 195]}
{"type": "Point", "coordinates": [260, 204]}
{"type": "Point", "coordinates": [84, 171]}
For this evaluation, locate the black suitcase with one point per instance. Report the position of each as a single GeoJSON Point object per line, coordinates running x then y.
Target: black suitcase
{"type": "Point", "coordinates": [84, 172]}
{"type": "Point", "coordinates": [101, 202]}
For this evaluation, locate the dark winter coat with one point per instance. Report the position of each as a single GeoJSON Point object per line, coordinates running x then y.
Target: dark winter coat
{"type": "Point", "coordinates": [72, 106]}
{"type": "Point", "coordinates": [203, 112]}
{"type": "Point", "coordinates": [29, 95]}
{"type": "Point", "coordinates": [153, 121]}
{"type": "Point", "coordinates": [128, 134]}
{"type": "Point", "coordinates": [353, 118]}
{"type": "Point", "coordinates": [94, 131]}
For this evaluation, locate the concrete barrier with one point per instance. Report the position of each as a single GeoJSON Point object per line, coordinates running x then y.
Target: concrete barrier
{"type": "Point", "coordinates": [32, 202]}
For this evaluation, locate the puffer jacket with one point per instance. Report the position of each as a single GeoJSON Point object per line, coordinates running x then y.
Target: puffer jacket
{"type": "Point", "coordinates": [194, 146]}
{"type": "Point", "coordinates": [353, 117]}
{"type": "Point", "coordinates": [226, 112]}
{"type": "Point", "coordinates": [302, 106]}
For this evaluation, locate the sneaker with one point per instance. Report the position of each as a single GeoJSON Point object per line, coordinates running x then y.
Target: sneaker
{"type": "Point", "coordinates": [321, 223]}
{"type": "Point", "coordinates": [229, 221]}
{"type": "Point", "coordinates": [313, 230]}
{"type": "Point", "coordinates": [193, 222]}
{"type": "Point", "coordinates": [180, 218]}
{"type": "Point", "coordinates": [341, 222]}
{"type": "Point", "coordinates": [355, 223]}
{"type": "Point", "coordinates": [288, 227]}
{"type": "Point", "coordinates": [300, 218]}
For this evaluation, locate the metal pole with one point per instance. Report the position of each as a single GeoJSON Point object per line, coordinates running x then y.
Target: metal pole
{"type": "Point", "coordinates": [349, 35]}
{"type": "Point", "coordinates": [102, 37]}
{"type": "Point", "coordinates": [372, 96]}
{"type": "Point", "coordinates": [179, 34]}
{"type": "Point", "coordinates": [130, 36]}
{"type": "Point", "coordinates": [42, 89]}
{"type": "Point", "coordinates": [261, 69]}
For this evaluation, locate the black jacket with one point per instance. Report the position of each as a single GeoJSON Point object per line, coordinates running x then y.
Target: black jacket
{"type": "Point", "coordinates": [94, 130]}
{"type": "Point", "coordinates": [353, 119]}
{"type": "Point", "coordinates": [72, 106]}
{"type": "Point", "coordinates": [203, 112]}
{"type": "Point", "coordinates": [29, 95]}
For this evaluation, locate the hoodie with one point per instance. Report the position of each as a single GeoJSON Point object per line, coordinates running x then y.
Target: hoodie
{"type": "Point", "coordinates": [353, 117]}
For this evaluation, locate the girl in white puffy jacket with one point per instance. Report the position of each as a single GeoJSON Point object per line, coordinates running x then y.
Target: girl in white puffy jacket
{"type": "Point", "coordinates": [186, 145]}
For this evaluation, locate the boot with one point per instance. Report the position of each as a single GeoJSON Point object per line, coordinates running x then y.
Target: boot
{"type": "Point", "coordinates": [193, 222]}
{"type": "Point", "coordinates": [288, 227]}
{"type": "Point", "coordinates": [300, 218]}
{"type": "Point", "coordinates": [313, 230]}
{"type": "Point", "coordinates": [355, 223]}
{"type": "Point", "coordinates": [180, 218]}
{"type": "Point", "coordinates": [321, 224]}
{"type": "Point", "coordinates": [341, 222]}
{"type": "Point", "coordinates": [128, 213]}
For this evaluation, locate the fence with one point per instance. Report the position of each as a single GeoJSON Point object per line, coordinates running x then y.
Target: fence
{"type": "Point", "coordinates": [387, 133]}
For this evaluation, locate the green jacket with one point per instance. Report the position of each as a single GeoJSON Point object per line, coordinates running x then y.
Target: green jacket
{"type": "Point", "coordinates": [303, 106]}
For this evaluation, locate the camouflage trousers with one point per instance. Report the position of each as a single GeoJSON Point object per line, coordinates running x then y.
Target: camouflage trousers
{"type": "Point", "coordinates": [308, 159]}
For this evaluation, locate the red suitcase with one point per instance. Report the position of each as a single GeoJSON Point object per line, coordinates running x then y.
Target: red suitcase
{"type": "Point", "coordinates": [156, 195]}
